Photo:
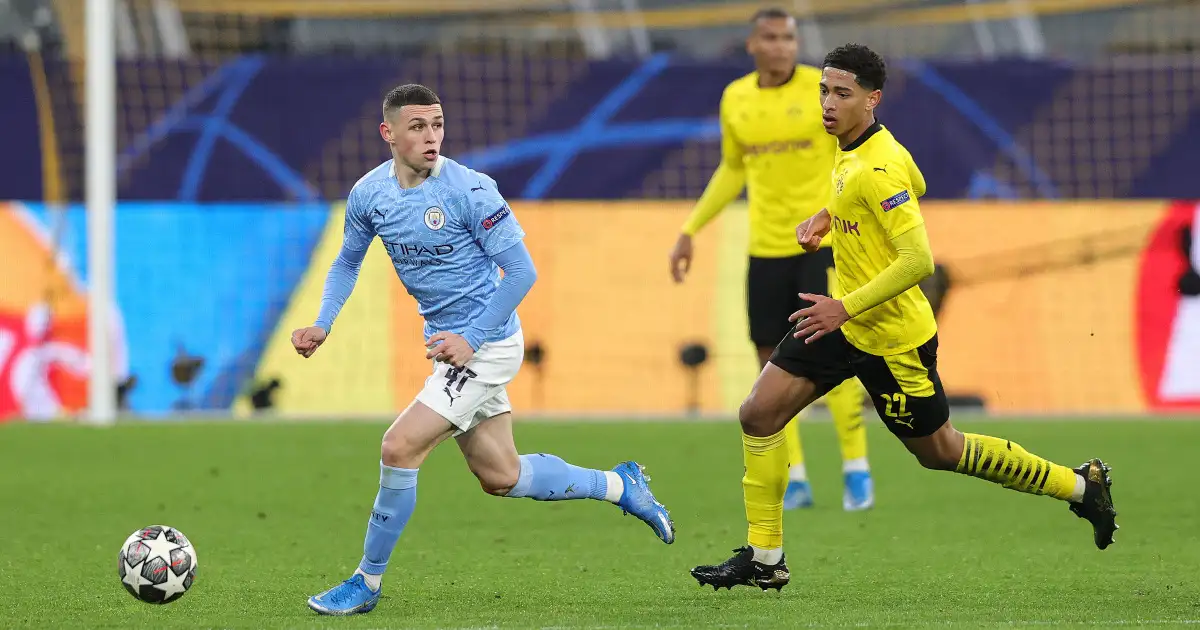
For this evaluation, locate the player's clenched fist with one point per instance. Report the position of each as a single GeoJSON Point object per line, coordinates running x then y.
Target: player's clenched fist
{"type": "Point", "coordinates": [810, 232]}
{"type": "Point", "coordinates": [307, 340]}
{"type": "Point", "coordinates": [451, 348]}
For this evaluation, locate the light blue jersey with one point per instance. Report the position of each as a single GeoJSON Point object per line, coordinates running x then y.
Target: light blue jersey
{"type": "Point", "coordinates": [442, 237]}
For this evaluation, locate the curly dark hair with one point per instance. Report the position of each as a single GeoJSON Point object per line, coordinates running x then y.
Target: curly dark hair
{"type": "Point", "coordinates": [409, 94]}
{"type": "Point", "coordinates": [868, 68]}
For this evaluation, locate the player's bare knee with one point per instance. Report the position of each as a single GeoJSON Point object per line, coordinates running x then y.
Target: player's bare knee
{"type": "Point", "coordinates": [398, 451]}
{"type": "Point", "coordinates": [756, 418]}
{"type": "Point", "coordinates": [498, 482]}
{"type": "Point", "coordinates": [934, 454]}
{"type": "Point", "coordinates": [936, 460]}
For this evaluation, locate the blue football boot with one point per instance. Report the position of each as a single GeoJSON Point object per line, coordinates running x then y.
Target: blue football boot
{"type": "Point", "coordinates": [860, 491]}
{"type": "Point", "coordinates": [639, 501]}
{"type": "Point", "coordinates": [797, 495]}
{"type": "Point", "coordinates": [348, 598]}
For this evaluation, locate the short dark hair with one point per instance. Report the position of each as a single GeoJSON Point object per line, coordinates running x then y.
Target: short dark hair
{"type": "Point", "coordinates": [409, 94]}
{"type": "Point", "coordinates": [868, 68]}
{"type": "Point", "coordinates": [770, 13]}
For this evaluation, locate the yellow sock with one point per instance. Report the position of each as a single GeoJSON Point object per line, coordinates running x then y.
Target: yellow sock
{"type": "Point", "coordinates": [1006, 463]}
{"type": "Point", "coordinates": [795, 448]}
{"type": "Point", "coordinates": [845, 405]}
{"type": "Point", "coordinates": [766, 460]}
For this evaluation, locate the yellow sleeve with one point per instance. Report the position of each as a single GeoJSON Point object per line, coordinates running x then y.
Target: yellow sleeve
{"type": "Point", "coordinates": [726, 183]}
{"type": "Point", "coordinates": [887, 190]}
{"type": "Point", "coordinates": [913, 263]}
{"type": "Point", "coordinates": [915, 176]}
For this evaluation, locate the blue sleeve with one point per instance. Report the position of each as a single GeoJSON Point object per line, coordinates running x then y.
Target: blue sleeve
{"type": "Point", "coordinates": [491, 220]}
{"type": "Point", "coordinates": [519, 276]}
{"type": "Point", "coordinates": [359, 230]}
{"type": "Point", "coordinates": [343, 273]}
{"type": "Point", "coordinates": [338, 285]}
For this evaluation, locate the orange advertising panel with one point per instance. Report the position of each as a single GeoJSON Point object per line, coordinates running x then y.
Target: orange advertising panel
{"type": "Point", "coordinates": [1053, 307]}
{"type": "Point", "coordinates": [604, 310]}
{"type": "Point", "coordinates": [1041, 313]}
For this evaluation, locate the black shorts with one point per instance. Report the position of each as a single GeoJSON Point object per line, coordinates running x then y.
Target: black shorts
{"type": "Point", "coordinates": [772, 289]}
{"type": "Point", "coordinates": [905, 388]}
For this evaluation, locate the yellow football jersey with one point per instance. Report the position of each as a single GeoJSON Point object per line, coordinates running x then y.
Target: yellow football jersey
{"type": "Point", "coordinates": [773, 140]}
{"type": "Point", "coordinates": [875, 189]}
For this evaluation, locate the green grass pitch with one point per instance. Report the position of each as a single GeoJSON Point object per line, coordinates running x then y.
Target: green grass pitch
{"type": "Point", "coordinates": [277, 512]}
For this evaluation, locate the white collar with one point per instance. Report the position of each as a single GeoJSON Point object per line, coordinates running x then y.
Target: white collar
{"type": "Point", "coordinates": [436, 171]}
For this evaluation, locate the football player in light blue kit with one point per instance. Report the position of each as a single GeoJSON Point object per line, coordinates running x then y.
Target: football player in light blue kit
{"type": "Point", "coordinates": [449, 232]}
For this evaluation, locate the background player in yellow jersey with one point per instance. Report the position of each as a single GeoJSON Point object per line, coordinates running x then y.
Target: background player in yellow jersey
{"type": "Point", "coordinates": [881, 331]}
{"type": "Point", "coordinates": [772, 143]}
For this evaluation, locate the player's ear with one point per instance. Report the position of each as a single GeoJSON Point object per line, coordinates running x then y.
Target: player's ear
{"type": "Point", "coordinates": [873, 99]}
{"type": "Point", "coordinates": [385, 131]}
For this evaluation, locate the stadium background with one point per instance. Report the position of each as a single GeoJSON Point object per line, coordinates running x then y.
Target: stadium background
{"type": "Point", "coordinates": [1058, 139]}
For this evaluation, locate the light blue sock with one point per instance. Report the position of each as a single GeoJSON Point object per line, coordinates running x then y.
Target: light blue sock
{"type": "Point", "coordinates": [393, 506]}
{"type": "Point", "coordinates": [548, 478]}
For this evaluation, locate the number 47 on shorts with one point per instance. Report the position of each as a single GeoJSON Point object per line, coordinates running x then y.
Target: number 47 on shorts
{"type": "Point", "coordinates": [456, 379]}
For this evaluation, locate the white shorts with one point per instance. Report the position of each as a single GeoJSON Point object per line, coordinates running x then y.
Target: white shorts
{"type": "Point", "coordinates": [469, 395]}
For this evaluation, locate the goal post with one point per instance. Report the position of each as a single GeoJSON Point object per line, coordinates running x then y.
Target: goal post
{"type": "Point", "coordinates": [100, 201]}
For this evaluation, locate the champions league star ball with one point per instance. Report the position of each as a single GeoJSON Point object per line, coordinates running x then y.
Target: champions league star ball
{"type": "Point", "coordinates": [157, 564]}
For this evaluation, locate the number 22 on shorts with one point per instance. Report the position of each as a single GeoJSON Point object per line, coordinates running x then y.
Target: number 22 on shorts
{"type": "Point", "coordinates": [897, 408]}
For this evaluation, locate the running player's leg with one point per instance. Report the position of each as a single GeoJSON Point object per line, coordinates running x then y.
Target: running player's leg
{"type": "Point", "coordinates": [491, 454]}
{"type": "Point", "coordinates": [771, 296]}
{"type": "Point", "coordinates": [406, 444]}
{"type": "Point", "coordinates": [845, 402]}
{"type": "Point", "coordinates": [445, 406]}
{"type": "Point", "coordinates": [797, 375]}
{"type": "Point", "coordinates": [909, 397]}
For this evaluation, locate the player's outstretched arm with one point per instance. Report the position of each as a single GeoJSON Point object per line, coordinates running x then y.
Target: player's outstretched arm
{"type": "Point", "coordinates": [725, 185]}
{"type": "Point", "coordinates": [343, 274]}
{"type": "Point", "coordinates": [339, 283]}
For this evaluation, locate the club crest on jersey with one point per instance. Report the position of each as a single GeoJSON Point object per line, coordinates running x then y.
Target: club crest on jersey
{"type": "Point", "coordinates": [435, 219]}
{"type": "Point", "coordinates": [840, 183]}
{"type": "Point", "coordinates": [496, 217]}
{"type": "Point", "coordinates": [895, 200]}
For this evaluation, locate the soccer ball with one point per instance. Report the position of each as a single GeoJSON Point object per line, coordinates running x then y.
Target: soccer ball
{"type": "Point", "coordinates": [157, 564]}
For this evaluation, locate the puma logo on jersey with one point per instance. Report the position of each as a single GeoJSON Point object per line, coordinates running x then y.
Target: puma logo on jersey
{"type": "Point", "coordinates": [881, 169]}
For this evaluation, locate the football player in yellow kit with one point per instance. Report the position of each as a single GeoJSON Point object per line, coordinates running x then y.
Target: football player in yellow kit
{"type": "Point", "coordinates": [882, 330]}
{"type": "Point", "coordinates": [774, 145]}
